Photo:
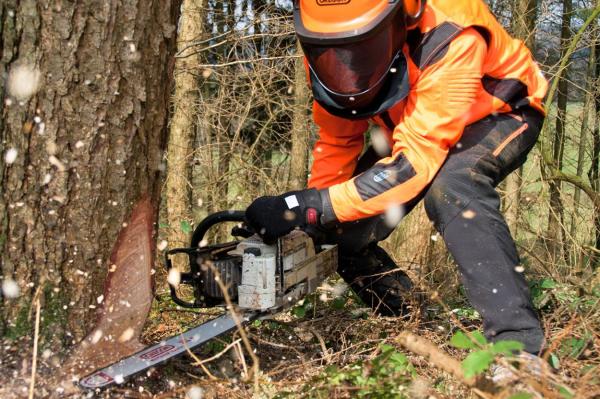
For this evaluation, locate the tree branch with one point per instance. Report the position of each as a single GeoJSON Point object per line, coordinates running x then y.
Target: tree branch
{"type": "Point", "coordinates": [556, 173]}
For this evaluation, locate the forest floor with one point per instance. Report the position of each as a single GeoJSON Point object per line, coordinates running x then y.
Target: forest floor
{"type": "Point", "coordinates": [332, 347]}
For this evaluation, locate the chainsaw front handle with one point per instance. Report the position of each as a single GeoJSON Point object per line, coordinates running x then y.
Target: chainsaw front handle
{"type": "Point", "coordinates": [212, 220]}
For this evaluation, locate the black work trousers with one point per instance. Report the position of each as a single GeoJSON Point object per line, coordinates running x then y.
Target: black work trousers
{"type": "Point", "coordinates": [464, 206]}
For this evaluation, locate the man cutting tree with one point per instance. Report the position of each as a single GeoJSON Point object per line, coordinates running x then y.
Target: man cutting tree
{"type": "Point", "coordinates": [460, 102]}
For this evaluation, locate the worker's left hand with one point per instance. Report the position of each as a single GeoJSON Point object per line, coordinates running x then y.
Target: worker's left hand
{"type": "Point", "coordinates": [275, 216]}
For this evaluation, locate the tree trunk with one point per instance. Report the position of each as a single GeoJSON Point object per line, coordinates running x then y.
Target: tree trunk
{"type": "Point", "coordinates": [524, 18]}
{"type": "Point", "coordinates": [594, 174]}
{"type": "Point", "coordinates": [300, 130]}
{"type": "Point", "coordinates": [588, 109]}
{"type": "Point", "coordinates": [185, 102]}
{"type": "Point", "coordinates": [555, 219]}
{"type": "Point", "coordinates": [89, 145]}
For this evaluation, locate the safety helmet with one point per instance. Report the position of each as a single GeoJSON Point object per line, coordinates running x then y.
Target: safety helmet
{"type": "Point", "coordinates": [351, 46]}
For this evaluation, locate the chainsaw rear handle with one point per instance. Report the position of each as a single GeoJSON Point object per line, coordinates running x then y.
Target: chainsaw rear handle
{"type": "Point", "coordinates": [212, 220]}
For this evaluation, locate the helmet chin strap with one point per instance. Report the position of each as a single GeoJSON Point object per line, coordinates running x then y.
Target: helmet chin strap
{"type": "Point", "coordinates": [394, 87]}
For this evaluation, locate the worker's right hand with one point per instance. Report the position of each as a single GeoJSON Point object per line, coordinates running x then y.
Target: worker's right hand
{"type": "Point", "coordinates": [275, 216]}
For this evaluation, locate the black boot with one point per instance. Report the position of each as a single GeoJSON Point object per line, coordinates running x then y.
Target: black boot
{"type": "Point", "coordinates": [376, 279]}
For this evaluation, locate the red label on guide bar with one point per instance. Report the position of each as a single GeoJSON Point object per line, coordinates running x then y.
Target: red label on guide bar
{"type": "Point", "coordinates": [157, 353]}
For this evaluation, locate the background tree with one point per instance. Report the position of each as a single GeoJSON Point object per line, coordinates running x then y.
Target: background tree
{"type": "Point", "coordinates": [556, 213]}
{"type": "Point", "coordinates": [524, 19]}
{"type": "Point", "coordinates": [178, 190]}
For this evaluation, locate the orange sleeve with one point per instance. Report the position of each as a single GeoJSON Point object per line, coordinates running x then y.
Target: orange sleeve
{"type": "Point", "coordinates": [433, 120]}
{"type": "Point", "coordinates": [337, 150]}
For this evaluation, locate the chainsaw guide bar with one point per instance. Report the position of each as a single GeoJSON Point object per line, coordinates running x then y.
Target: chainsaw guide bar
{"type": "Point", "coordinates": [162, 351]}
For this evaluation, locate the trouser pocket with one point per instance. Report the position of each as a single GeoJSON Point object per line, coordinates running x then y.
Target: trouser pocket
{"type": "Point", "coordinates": [512, 152]}
{"type": "Point", "coordinates": [505, 147]}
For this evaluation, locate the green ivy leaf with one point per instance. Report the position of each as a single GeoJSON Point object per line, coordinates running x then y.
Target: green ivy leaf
{"type": "Point", "coordinates": [461, 341]}
{"type": "Point", "coordinates": [186, 227]}
{"type": "Point", "coordinates": [477, 362]}
{"type": "Point", "coordinates": [507, 348]}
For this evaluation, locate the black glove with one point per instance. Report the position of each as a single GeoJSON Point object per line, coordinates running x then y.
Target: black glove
{"type": "Point", "coordinates": [274, 217]}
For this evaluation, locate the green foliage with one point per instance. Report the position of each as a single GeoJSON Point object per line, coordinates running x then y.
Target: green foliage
{"type": "Point", "coordinates": [472, 340]}
{"type": "Point", "coordinates": [461, 340]}
{"type": "Point", "coordinates": [384, 377]}
{"type": "Point", "coordinates": [547, 284]}
{"type": "Point", "coordinates": [521, 395]}
{"type": "Point", "coordinates": [554, 361]}
{"type": "Point", "coordinates": [186, 227]}
{"type": "Point", "coordinates": [548, 294]}
{"type": "Point", "coordinates": [477, 362]}
{"type": "Point", "coordinates": [310, 303]}
{"type": "Point", "coordinates": [565, 392]}
{"type": "Point", "coordinates": [214, 346]}
{"type": "Point", "coordinates": [574, 347]}
{"type": "Point", "coordinates": [466, 313]}
{"type": "Point", "coordinates": [571, 347]}
{"type": "Point", "coordinates": [339, 303]}
{"type": "Point", "coordinates": [482, 353]}
{"type": "Point", "coordinates": [507, 348]}
{"type": "Point", "coordinates": [304, 307]}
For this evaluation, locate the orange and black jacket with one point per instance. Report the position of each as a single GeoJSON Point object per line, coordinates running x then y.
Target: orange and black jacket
{"type": "Point", "coordinates": [462, 67]}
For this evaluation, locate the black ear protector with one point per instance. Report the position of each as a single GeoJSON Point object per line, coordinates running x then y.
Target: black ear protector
{"type": "Point", "coordinates": [414, 11]}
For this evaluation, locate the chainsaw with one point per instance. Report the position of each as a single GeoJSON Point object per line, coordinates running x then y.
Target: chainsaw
{"type": "Point", "coordinates": [259, 279]}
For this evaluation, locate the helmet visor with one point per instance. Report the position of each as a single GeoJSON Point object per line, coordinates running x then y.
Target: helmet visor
{"type": "Point", "coordinates": [352, 68]}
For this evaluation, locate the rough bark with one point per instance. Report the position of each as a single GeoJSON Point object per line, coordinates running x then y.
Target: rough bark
{"type": "Point", "coordinates": [555, 219]}
{"type": "Point", "coordinates": [185, 102]}
{"type": "Point", "coordinates": [90, 145]}
{"type": "Point", "coordinates": [300, 130]}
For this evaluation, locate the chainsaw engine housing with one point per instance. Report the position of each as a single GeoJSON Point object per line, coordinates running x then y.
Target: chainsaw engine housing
{"type": "Point", "coordinates": [257, 276]}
